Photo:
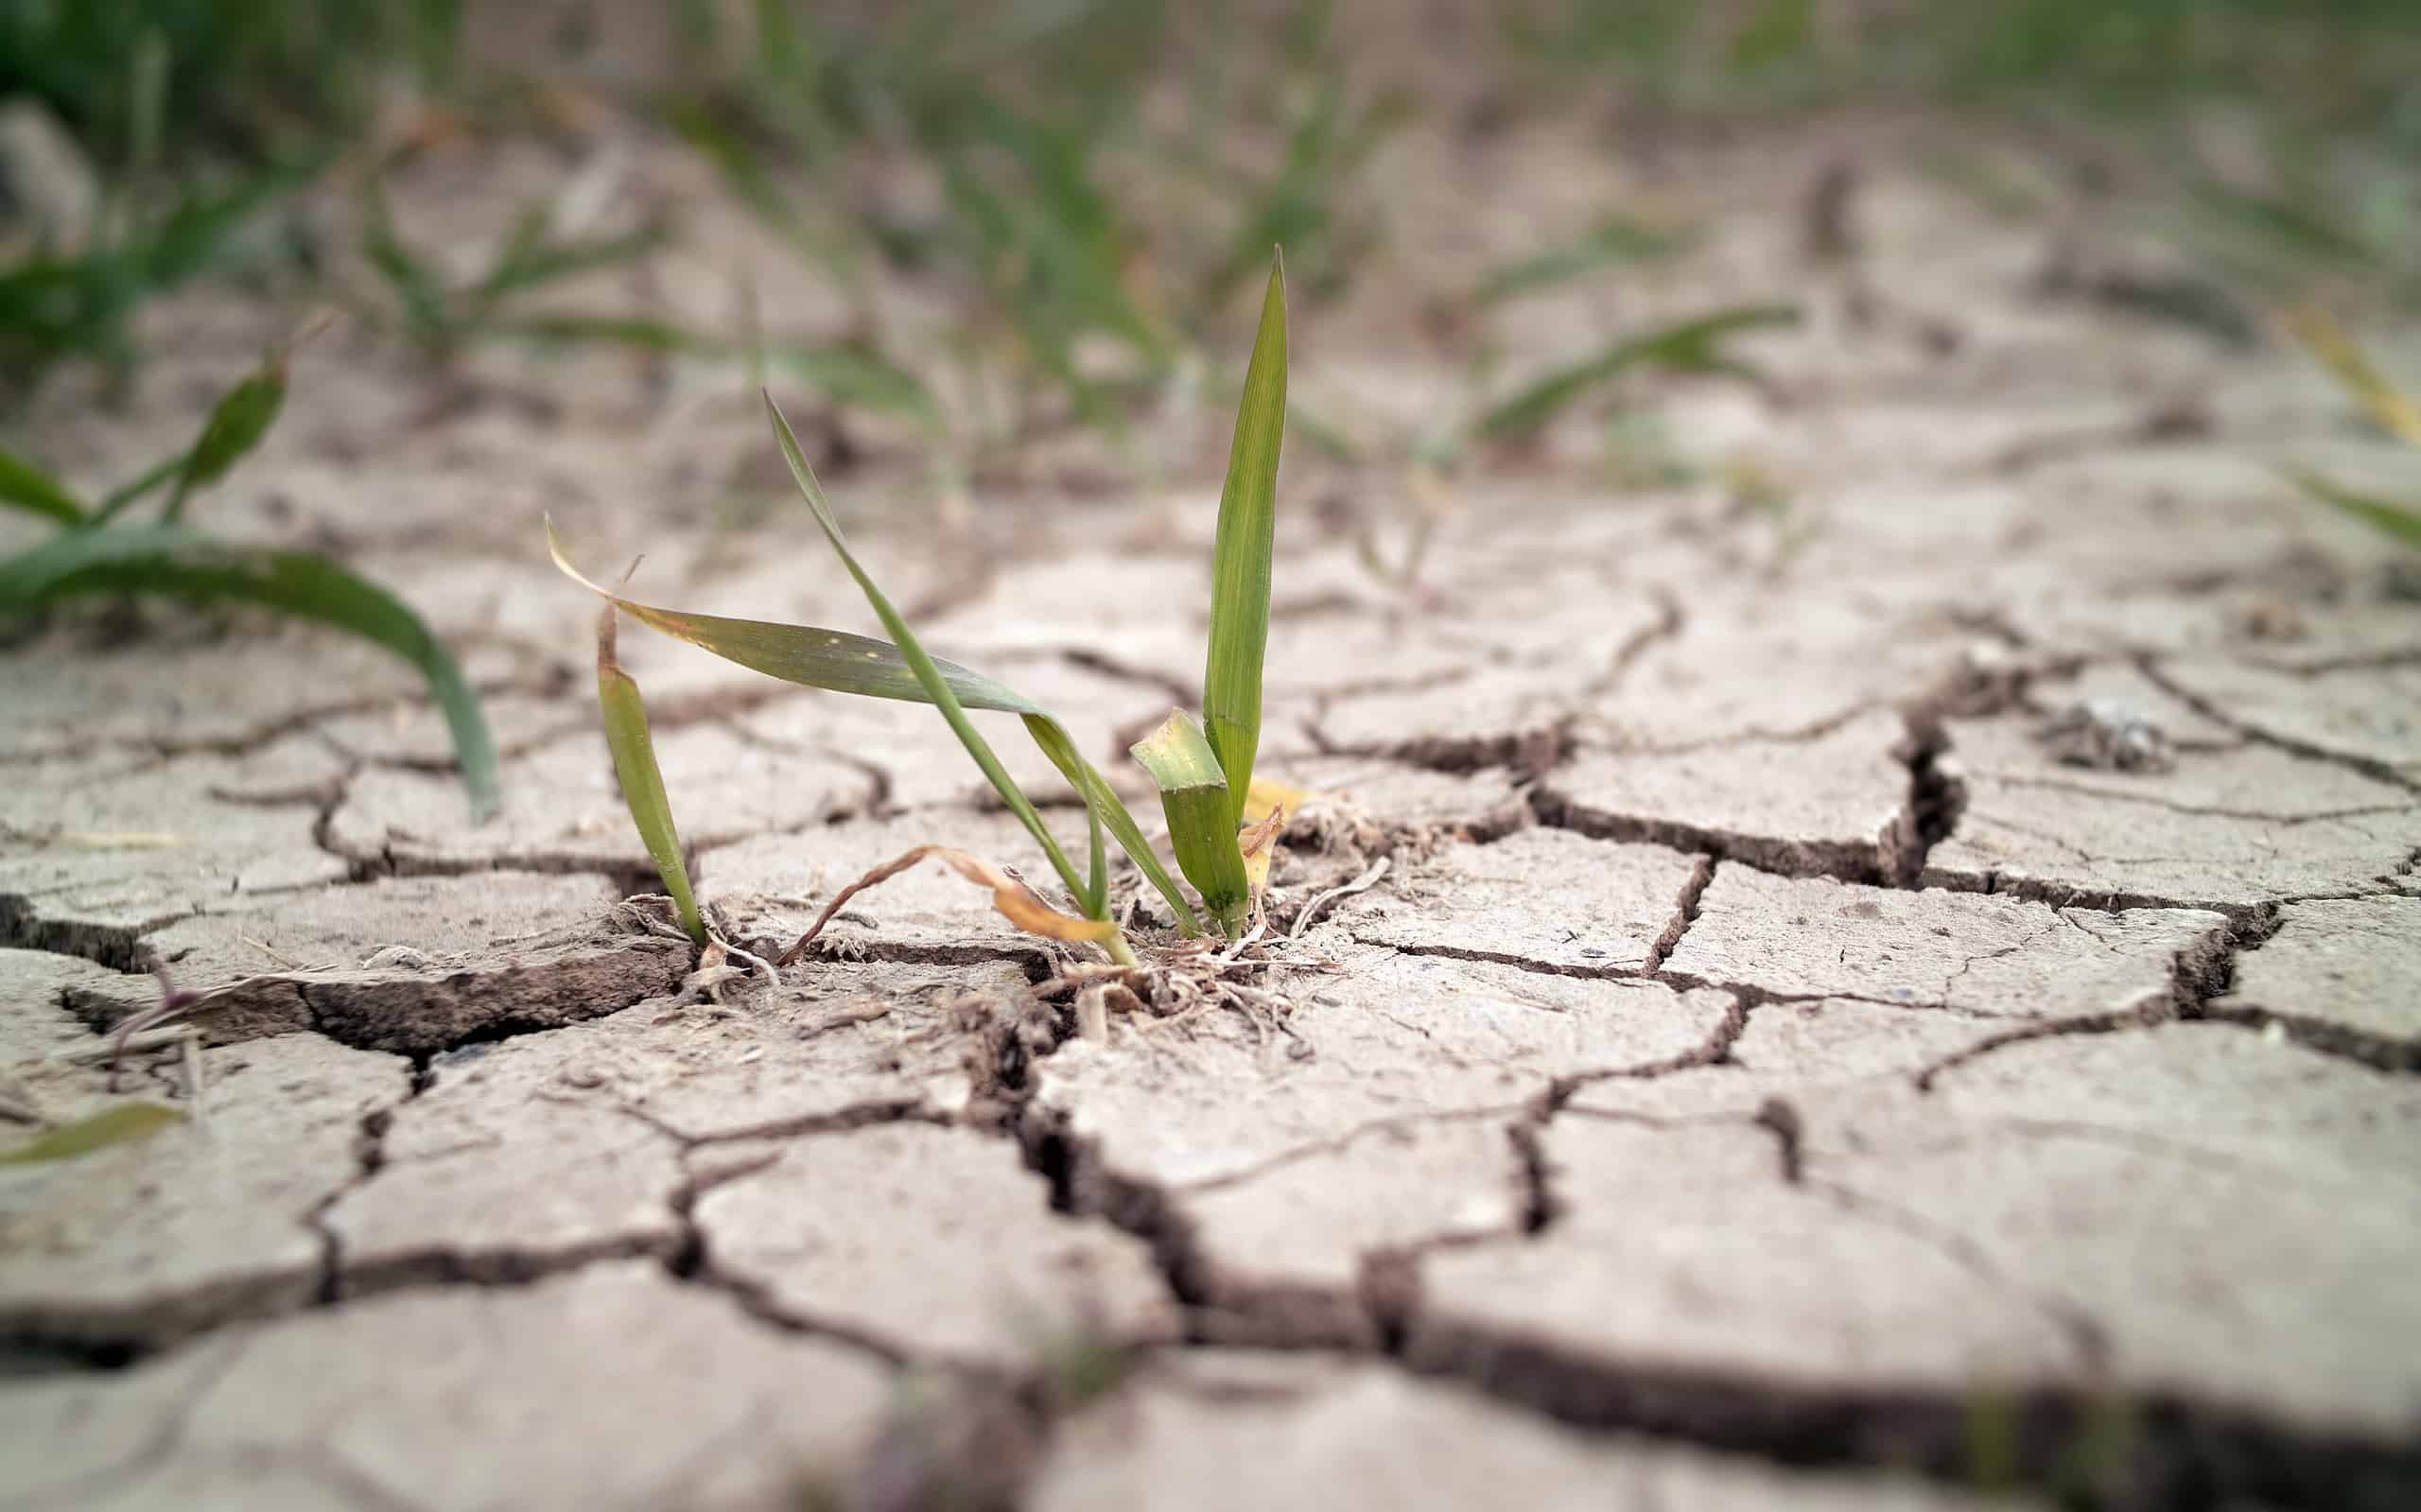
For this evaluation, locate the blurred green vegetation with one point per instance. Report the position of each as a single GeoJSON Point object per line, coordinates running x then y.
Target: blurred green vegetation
{"type": "Point", "coordinates": [250, 80]}
{"type": "Point", "coordinates": [1085, 185]}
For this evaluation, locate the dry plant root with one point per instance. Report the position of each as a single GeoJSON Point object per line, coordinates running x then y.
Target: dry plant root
{"type": "Point", "coordinates": [1019, 904]}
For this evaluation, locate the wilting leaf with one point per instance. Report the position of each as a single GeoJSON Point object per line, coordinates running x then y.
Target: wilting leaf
{"type": "Point", "coordinates": [2403, 522]}
{"type": "Point", "coordinates": [173, 559]}
{"type": "Point", "coordinates": [641, 779]}
{"type": "Point", "coordinates": [2393, 409]}
{"type": "Point", "coordinates": [1019, 904]}
{"type": "Point", "coordinates": [1240, 566]}
{"type": "Point", "coordinates": [1259, 846]}
{"type": "Point", "coordinates": [1269, 794]}
{"type": "Point", "coordinates": [27, 487]}
{"type": "Point", "coordinates": [116, 1125]}
{"type": "Point", "coordinates": [1202, 825]}
{"type": "Point", "coordinates": [1690, 346]}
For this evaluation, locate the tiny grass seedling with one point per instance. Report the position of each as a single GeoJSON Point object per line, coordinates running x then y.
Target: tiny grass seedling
{"type": "Point", "coordinates": [1687, 346]}
{"type": "Point", "coordinates": [94, 554]}
{"type": "Point", "coordinates": [441, 316]}
{"type": "Point", "coordinates": [1204, 772]}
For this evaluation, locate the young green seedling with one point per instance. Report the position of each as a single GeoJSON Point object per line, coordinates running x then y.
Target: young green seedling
{"type": "Point", "coordinates": [1205, 771]}
{"type": "Point", "coordinates": [1206, 780]}
{"type": "Point", "coordinates": [91, 554]}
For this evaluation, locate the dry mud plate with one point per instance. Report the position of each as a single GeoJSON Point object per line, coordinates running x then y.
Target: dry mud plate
{"type": "Point", "coordinates": [1801, 1053]}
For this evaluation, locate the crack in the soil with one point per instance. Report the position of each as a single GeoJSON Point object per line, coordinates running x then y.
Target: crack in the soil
{"type": "Point", "coordinates": [2325, 1036]}
{"type": "Point", "coordinates": [1667, 626]}
{"type": "Point", "coordinates": [1528, 752]}
{"type": "Point", "coordinates": [118, 947]}
{"type": "Point", "coordinates": [2085, 1335]}
{"type": "Point", "coordinates": [2193, 810]}
{"type": "Point", "coordinates": [2030, 889]}
{"type": "Point", "coordinates": [2370, 767]}
{"type": "Point", "coordinates": [2181, 1452]}
{"type": "Point", "coordinates": [1875, 863]}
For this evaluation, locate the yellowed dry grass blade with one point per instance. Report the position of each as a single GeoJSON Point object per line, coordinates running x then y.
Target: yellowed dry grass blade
{"type": "Point", "coordinates": [1019, 904]}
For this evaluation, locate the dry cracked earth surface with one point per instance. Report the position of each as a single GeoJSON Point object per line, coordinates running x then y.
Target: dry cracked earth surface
{"type": "Point", "coordinates": [1912, 1007]}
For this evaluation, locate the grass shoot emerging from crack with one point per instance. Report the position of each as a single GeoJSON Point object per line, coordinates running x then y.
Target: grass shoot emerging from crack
{"type": "Point", "coordinates": [1206, 780]}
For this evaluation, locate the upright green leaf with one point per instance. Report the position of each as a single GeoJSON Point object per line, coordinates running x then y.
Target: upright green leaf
{"type": "Point", "coordinates": [27, 487]}
{"type": "Point", "coordinates": [1201, 816]}
{"type": "Point", "coordinates": [641, 779]}
{"type": "Point", "coordinates": [172, 560]}
{"type": "Point", "coordinates": [1246, 542]}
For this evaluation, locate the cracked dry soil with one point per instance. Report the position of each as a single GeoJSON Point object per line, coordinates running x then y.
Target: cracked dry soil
{"type": "Point", "coordinates": [1771, 1073]}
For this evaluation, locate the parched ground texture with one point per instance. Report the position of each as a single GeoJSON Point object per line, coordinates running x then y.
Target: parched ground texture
{"type": "Point", "coordinates": [1911, 1006]}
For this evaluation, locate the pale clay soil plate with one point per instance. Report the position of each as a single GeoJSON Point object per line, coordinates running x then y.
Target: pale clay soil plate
{"type": "Point", "coordinates": [1766, 1074]}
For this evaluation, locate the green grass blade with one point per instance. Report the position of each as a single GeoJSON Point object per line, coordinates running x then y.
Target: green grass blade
{"type": "Point", "coordinates": [159, 474]}
{"type": "Point", "coordinates": [192, 235]}
{"type": "Point", "coordinates": [301, 584]}
{"type": "Point", "coordinates": [861, 377]}
{"type": "Point", "coordinates": [808, 655]}
{"type": "Point", "coordinates": [2401, 522]}
{"type": "Point", "coordinates": [1053, 740]}
{"type": "Point", "coordinates": [638, 332]}
{"type": "Point", "coordinates": [1201, 816]}
{"type": "Point", "coordinates": [548, 262]}
{"type": "Point", "coordinates": [27, 487]}
{"type": "Point", "coordinates": [1131, 839]}
{"type": "Point", "coordinates": [236, 424]}
{"type": "Point", "coordinates": [31, 576]}
{"type": "Point", "coordinates": [416, 287]}
{"type": "Point", "coordinates": [848, 373]}
{"type": "Point", "coordinates": [840, 662]}
{"type": "Point", "coordinates": [641, 779]}
{"type": "Point", "coordinates": [116, 1125]}
{"type": "Point", "coordinates": [1613, 240]}
{"type": "Point", "coordinates": [1690, 346]}
{"type": "Point", "coordinates": [1246, 541]}
{"type": "Point", "coordinates": [1093, 889]}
